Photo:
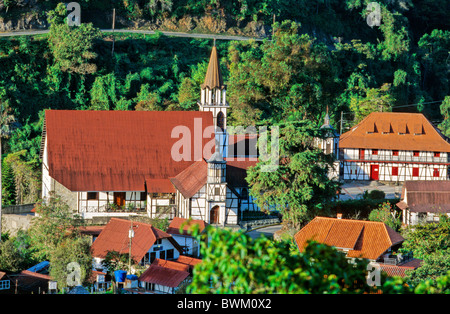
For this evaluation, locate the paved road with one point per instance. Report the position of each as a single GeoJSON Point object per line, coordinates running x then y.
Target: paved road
{"type": "Point", "coordinates": [266, 231]}
{"type": "Point", "coordinates": [355, 190]}
{"type": "Point", "coordinates": [174, 34]}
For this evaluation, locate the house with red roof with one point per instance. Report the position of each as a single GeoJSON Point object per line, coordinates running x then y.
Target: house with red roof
{"type": "Point", "coordinates": [156, 163]}
{"type": "Point", "coordinates": [424, 201]}
{"type": "Point", "coordinates": [370, 240]}
{"type": "Point", "coordinates": [142, 241]}
{"type": "Point", "coordinates": [394, 146]}
{"type": "Point", "coordinates": [180, 228]}
{"type": "Point", "coordinates": [164, 277]}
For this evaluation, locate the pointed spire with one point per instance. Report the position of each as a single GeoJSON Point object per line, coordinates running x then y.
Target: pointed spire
{"type": "Point", "coordinates": [213, 76]}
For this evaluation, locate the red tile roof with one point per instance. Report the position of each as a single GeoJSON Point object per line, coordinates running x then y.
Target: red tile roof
{"type": "Point", "coordinates": [177, 222]}
{"type": "Point", "coordinates": [165, 273]}
{"type": "Point", "coordinates": [119, 150]}
{"type": "Point", "coordinates": [114, 237]}
{"type": "Point", "coordinates": [381, 130]}
{"type": "Point", "coordinates": [191, 180]}
{"type": "Point", "coordinates": [400, 270]}
{"type": "Point", "coordinates": [189, 261]}
{"type": "Point", "coordinates": [362, 239]}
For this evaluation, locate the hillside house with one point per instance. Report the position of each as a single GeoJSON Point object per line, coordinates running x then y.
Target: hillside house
{"type": "Point", "coordinates": [146, 244]}
{"type": "Point", "coordinates": [164, 277]}
{"type": "Point", "coordinates": [395, 147]}
{"type": "Point", "coordinates": [424, 201]}
{"type": "Point", "coordinates": [370, 240]}
{"type": "Point", "coordinates": [179, 229]}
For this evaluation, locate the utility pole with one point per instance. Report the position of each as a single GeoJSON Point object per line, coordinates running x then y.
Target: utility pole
{"type": "Point", "coordinates": [342, 118]}
{"type": "Point", "coordinates": [130, 236]}
{"type": "Point", "coordinates": [113, 26]}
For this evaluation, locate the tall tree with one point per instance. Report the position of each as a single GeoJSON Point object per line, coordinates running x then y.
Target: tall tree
{"type": "Point", "coordinates": [299, 184]}
{"type": "Point", "coordinates": [292, 73]}
{"type": "Point", "coordinates": [7, 122]}
{"type": "Point", "coordinates": [72, 46]}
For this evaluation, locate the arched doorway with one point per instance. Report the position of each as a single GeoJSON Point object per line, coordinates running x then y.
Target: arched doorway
{"type": "Point", "coordinates": [214, 215]}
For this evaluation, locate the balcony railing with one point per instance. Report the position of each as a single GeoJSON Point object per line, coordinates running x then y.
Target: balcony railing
{"type": "Point", "coordinates": [398, 259]}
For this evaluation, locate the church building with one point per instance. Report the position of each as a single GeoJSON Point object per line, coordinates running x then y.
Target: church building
{"type": "Point", "coordinates": [119, 163]}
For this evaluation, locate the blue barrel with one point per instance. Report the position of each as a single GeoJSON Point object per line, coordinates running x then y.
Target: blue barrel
{"type": "Point", "coordinates": [120, 275]}
{"type": "Point", "coordinates": [132, 277]}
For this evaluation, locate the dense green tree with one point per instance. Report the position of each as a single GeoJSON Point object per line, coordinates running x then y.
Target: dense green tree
{"type": "Point", "coordinates": [433, 266]}
{"type": "Point", "coordinates": [235, 263]}
{"type": "Point", "coordinates": [386, 214]}
{"type": "Point", "coordinates": [16, 252]}
{"type": "Point", "coordinates": [444, 126]}
{"type": "Point", "coordinates": [26, 177]}
{"type": "Point", "coordinates": [71, 262]}
{"type": "Point", "coordinates": [53, 225]}
{"type": "Point", "coordinates": [429, 238]}
{"type": "Point", "coordinates": [291, 73]}
{"type": "Point", "coordinates": [72, 46]}
{"type": "Point", "coordinates": [8, 185]}
{"type": "Point", "coordinates": [295, 181]}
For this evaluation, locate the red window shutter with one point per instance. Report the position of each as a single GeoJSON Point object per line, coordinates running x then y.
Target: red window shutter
{"type": "Point", "coordinates": [415, 172]}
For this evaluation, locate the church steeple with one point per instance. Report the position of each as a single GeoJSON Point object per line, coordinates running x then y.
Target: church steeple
{"type": "Point", "coordinates": [213, 98]}
{"type": "Point", "coordinates": [213, 91]}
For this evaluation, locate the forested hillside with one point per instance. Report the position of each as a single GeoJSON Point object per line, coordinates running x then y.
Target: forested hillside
{"type": "Point", "coordinates": [322, 54]}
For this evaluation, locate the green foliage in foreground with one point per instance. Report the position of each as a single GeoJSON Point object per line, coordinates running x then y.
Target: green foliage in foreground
{"type": "Point", "coordinates": [235, 263]}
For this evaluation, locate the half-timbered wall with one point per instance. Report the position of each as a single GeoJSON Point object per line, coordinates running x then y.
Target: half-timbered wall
{"type": "Point", "coordinates": [198, 206]}
{"type": "Point", "coordinates": [391, 165]}
{"type": "Point", "coordinates": [161, 205]}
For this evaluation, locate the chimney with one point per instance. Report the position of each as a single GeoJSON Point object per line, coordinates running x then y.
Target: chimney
{"type": "Point", "coordinates": [339, 216]}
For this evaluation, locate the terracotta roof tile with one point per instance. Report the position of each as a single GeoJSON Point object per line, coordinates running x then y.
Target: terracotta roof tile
{"type": "Point", "coordinates": [191, 180]}
{"type": "Point", "coordinates": [165, 273]}
{"type": "Point", "coordinates": [177, 222]}
{"type": "Point", "coordinates": [364, 239]}
{"type": "Point", "coordinates": [114, 237]}
{"type": "Point", "coordinates": [381, 130]}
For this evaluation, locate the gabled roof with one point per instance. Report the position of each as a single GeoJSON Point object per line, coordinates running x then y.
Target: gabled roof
{"type": "Point", "coordinates": [114, 237]}
{"type": "Point", "coordinates": [165, 273]}
{"type": "Point", "coordinates": [121, 150]}
{"type": "Point", "coordinates": [362, 239]}
{"type": "Point", "coordinates": [426, 196]}
{"type": "Point", "coordinates": [213, 76]}
{"type": "Point", "coordinates": [191, 180]}
{"type": "Point", "coordinates": [395, 131]}
{"type": "Point", "coordinates": [177, 222]}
